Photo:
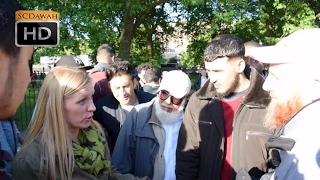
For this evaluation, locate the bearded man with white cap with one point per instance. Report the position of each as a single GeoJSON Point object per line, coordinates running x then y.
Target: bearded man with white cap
{"type": "Point", "coordinates": [146, 145]}
{"type": "Point", "coordinates": [294, 85]}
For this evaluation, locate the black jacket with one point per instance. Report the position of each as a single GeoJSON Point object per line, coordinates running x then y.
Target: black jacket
{"type": "Point", "coordinates": [111, 116]}
{"type": "Point", "coordinates": [197, 83]}
{"type": "Point", "coordinates": [200, 148]}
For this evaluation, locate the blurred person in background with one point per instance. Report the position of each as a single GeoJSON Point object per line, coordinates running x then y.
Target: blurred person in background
{"type": "Point", "coordinates": [112, 110]}
{"type": "Point", "coordinates": [152, 78]}
{"type": "Point", "coordinates": [105, 57]}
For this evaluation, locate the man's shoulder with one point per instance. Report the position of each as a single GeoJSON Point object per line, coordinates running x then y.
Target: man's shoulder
{"type": "Point", "coordinates": [144, 106]}
{"type": "Point", "coordinates": [30, 150]}
{"type": "Point", "coordinates": [144, 96]}
{"type": "Point", "coordinates": [107, 101]}
{"type": "Point", "coordinates": [98, 75]}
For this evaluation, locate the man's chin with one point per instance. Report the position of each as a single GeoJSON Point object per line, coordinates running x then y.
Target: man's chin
{"type": "Point", "coordinates": [125, 102]}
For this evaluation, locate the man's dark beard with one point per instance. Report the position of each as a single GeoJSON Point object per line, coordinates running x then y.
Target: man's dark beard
{"type": "Point", "coordinates": [234, 85]}
{"type": "Point", "coordinates": [5, 100]}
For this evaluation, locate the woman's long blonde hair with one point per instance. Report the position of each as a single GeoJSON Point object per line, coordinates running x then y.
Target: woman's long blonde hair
{"type": "Point", "coordinates": [50, 123]}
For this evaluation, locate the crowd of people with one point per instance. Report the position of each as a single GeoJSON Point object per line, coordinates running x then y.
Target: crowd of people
{"type": "Point", "coordinates": [253, 115]}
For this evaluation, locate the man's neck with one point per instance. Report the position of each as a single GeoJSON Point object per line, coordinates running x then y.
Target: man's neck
{"type": "Point", "coordinates": [244, 84]}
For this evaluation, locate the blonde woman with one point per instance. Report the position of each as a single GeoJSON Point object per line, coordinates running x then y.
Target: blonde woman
{"type": "Point", "coordinates": [63, 141]}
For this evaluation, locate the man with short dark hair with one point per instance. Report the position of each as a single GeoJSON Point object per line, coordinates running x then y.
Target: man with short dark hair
{"type": "Point", "coordinates": [105, 57]}
{"type": "Point", "coordinates": [14, 66]}
{"type": "Point", "coordinates": [112, 110]}
{"type": "Point", "coordinates": [14, 70]}
{"type": "Point", "coordinates": [223, 130]}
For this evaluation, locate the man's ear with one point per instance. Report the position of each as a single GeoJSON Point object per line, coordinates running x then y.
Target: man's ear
{"type": "Point", "coordinates": [135, 82]}
{"type": "Point", "coordinates": [241, 65]}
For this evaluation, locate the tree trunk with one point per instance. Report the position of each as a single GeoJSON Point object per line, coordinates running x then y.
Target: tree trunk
{"type": "Point", "coordinates": [149, 45]}
{"type": "Point", "coordinates": [126, 33]}
{"type": "Point", "coordinates": [149, 33]}
{"type": "Point", "coordinates": [130, 24]}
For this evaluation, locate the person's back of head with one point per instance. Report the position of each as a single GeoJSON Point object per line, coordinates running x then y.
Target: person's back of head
{"type": "Point", "coordinates": [105, 54]}
{"type": "Point", "coordinates": [225, 45]}
{"type": "Point", "coordinates": [142, 70]}
{"type": "Point", "coordinates": [152, 75]}
{"type": "Point", "coordinates": [143, 66]}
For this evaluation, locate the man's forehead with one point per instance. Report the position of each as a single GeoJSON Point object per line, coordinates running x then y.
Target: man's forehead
{"type": "Point", "coordinates": [121, 79]}
{"type": "Point", "coordinates": [217, 64]}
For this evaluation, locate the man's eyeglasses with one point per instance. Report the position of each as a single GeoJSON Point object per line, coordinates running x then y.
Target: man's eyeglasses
{"type": "Point", "coordinates": [163, 95]}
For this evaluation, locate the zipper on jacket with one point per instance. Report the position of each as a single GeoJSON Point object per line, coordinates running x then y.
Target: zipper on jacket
{"type": "Point", "coordinates": [234, 160]}
{"type": "Point", "coordinates": [253, 106]}
{"type": "Point", "coordinates": [255, 133]}
{"type": "Point", "coordinates": [204, 122]}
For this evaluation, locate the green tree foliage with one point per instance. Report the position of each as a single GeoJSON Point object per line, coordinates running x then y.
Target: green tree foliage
{"type": "Point", "coordinates": [262, 21]}
{"type": "Point", "coordinates": [85, 25]}
{"type": "Point", "coordinates": [138, 29]}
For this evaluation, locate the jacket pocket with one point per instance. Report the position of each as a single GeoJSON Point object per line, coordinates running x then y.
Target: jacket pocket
{"type": "Point", "coordinates": [256, 133]}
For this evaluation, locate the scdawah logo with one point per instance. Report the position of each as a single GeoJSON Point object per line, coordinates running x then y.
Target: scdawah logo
{"type": "Point", "coordinates": [37, 28]}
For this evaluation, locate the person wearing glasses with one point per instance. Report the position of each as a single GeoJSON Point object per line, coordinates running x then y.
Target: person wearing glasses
{"type": "Point", "coordinates": [223, 129]}
{"type": "Point", "coordinates": [147, 142]}
{"type": "Point", "coordinates": [112, 110]}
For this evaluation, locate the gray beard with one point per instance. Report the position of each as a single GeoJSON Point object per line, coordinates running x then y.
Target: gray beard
{"type": "Point", "coordinates": [168, 117]}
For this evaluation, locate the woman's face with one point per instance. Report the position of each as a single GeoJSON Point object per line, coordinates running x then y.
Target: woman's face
{"type": "Point", "coordinates": [79, 108]}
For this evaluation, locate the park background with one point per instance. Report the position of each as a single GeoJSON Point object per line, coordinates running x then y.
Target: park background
{"type": "Point", "coordinates": [142, 30]}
